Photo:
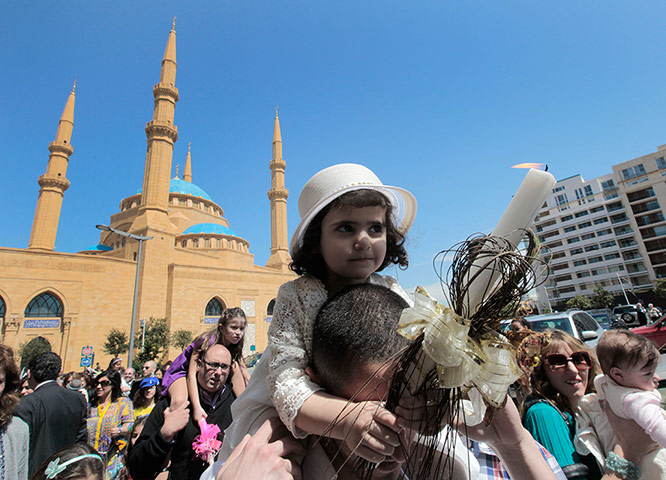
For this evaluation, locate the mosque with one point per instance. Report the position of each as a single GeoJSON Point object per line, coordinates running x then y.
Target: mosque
{"type": "Point", "coordinates": [194, 265]}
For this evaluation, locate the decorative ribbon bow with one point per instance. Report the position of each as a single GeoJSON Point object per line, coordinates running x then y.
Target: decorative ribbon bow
{"type": "Point", "coordinates": [206, 445]}
{"type": "Point", "coordinates": [486, 365]}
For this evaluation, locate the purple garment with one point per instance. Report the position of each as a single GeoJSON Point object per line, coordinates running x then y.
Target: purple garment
{"type": "Point", "coordinates": [178, 369]}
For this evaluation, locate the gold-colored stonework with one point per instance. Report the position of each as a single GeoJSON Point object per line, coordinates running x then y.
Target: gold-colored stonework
{"type": "Point", "coordinates": [182, 270]}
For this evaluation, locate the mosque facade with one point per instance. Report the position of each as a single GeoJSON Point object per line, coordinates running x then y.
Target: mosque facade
{"type": "Point", "coordinates": [194, 265]}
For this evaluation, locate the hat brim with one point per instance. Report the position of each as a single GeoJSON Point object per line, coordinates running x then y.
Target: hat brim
{"type": "Point", "coordinates": [402, 201]}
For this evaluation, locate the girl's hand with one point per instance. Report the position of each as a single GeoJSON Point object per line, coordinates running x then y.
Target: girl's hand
{"type": "Point", "coordinates": [198, 414]}
{"type": "Point", "coordinates": [372, 431]}
{"type": "Point", "coordinates": [115, 432]}
{"type": "Point", "coordinates": [414, 414]}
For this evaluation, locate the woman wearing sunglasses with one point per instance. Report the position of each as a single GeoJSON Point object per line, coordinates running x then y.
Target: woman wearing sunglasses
{"type": "Point", "coordinates": [110, 420]}
{"type": "Point", "coordinates": [564, 374]}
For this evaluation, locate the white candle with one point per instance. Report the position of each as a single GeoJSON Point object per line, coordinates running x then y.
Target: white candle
{"type": "Point", "coordinates": [518, 216]}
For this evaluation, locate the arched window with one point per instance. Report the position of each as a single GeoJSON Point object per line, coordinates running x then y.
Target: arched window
{"type": "Point", "coordinates": [269, 309]}
{"type": "Point", "coordinates": [214, 308]}
{"type": "Point", "coordinates": [3, 308]}
{"type": "Point", "coordinates": [44, 305]}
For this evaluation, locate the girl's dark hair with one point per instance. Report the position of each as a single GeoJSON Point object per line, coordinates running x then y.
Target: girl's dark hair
{"type": "Point", "coordinates": [140, 399]}
{"type": "Point", "coordinates": [307, 258]}
{"type": "Point", "coordinates": [539, 382]}
{"type": "Point", "coordinates": [9, 397]}
{"type": "Point", "coordinates": [205, 340]}
{"type": "Point", "coordinates": [84, 468]}
{"type": "Point", "coordinates": [114, 378]}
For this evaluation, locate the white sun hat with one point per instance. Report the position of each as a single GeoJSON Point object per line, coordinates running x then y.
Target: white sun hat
{"type": "Point", "coordinates": [332, 182]}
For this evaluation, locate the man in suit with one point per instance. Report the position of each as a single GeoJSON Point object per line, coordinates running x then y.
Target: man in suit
{"type": "Point", "coordinates": [55, 415]}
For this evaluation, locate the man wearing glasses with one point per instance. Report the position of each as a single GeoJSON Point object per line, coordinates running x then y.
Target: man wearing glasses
{"type": "Point", "coordinates": [173, 431]}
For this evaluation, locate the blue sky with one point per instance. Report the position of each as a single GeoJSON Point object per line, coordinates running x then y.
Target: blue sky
{"type": "Point", "coordinates": [437, 97]}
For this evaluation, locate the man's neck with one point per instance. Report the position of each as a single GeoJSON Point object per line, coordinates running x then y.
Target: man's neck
{"type": "Point", "coordinates": [37, 385]}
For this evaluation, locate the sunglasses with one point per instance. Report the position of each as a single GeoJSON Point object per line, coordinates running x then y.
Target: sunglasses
{"type": "Point", "coordinates": [104, 383]}
{"type": "Point", "coordinates": [557, 361]}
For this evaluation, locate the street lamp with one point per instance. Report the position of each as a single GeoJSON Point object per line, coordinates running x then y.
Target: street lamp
{"type": "Point", "coordinates": [141, 239]}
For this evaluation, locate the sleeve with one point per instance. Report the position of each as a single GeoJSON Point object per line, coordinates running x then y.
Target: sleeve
{"type": "Point", "coordinates": [644, 409]}
{"type": "Point", "coordinates": [289, 337]}
{"type": "Point", "coordinates": [549, 429]}
{"type": "Point", "coordinates": [82, 434]}
{"type": "Point", "coordinates": [126, 412]}
{"type": "Point", "coordinates": [23, 410]}
{"type": "Point", "coordinates": [147, 456]}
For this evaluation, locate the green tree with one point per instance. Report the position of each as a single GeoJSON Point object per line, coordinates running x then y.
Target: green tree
{"type": "Point", "coordinates": [602, 298]}
{"type": "Point", "coordinates": [116, 343]}
{"type": "Point", "coordinates": [155, 343]}
{"type": "Point", "coordinates": [181, 339]}
{"type": "Point", "coordinates": [28, 350]}
{"type": "Point", "coordinates": [579, 302]}
{"type": "Point", "coordinates": [660, 288]}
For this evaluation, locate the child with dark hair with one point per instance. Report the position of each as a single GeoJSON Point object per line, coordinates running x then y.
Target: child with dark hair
{"type": "Point", "coordinates": [352, 226]}
{"type": "Point", "coordinates": [76, 462]}
{"type": "Point", "coordinates": [180, 379]}
{"type": "Point", "coordinates": [629, 386]}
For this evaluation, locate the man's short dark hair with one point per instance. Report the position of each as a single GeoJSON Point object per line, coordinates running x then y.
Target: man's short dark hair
{"type": "Point", "coordinates": [45, 366]}
{"type": "Point", "coordinates": [358, 325]}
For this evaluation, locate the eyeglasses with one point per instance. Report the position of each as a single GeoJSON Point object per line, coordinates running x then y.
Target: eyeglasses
{"type": "Point", "coordinates": [146, 367]}
{"type": "Point", "coordinates": [215, 365]}
{"type": "Point", "coordinates": [557, 361]}
{"type": "Point", "coordinates": [103, 383]}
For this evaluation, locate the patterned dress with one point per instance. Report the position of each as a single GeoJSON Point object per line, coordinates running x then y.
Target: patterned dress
{"type": "Point", "coordinates": [100, 421]}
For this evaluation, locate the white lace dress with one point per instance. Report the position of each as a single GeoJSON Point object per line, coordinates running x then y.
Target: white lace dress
{"type": "Point", "coordinates": [279, 384]}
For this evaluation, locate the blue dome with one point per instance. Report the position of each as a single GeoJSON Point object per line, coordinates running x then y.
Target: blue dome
{"type": "Point", "coordinates": [210, 228]}
{"type": "Point", "coordinates": [181, 186]}
{"type": "Point", "coordinates": [98, 248]}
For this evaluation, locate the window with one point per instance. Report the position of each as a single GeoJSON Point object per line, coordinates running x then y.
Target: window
{"type": "Point", "coordinates": [569, 229]}
{"type": "Point", "coordinates": [581, 214]}
{"type": "Point", "coordinates": [634, 171]}
{"type": "Point", "coordinates": [561, 266]}
{"type": "Point", "coordinates": [579, 263]}
{"type": "Point", "coordinates": [598, 271]}
{"type": "Point", "coordinates": [623, 231]}
{"type": "Point", "coordinates": [558, 255]}
{"type": "Point", "coordinates": [657, 258]}
{"type": "Point", "coordinates": [214, 308]}
{"type": "Point", "coordinates": [576, 251]}
{"type": "Point", "coordinates": [628, 242]}
{"type": "Point", "coordinates": [653, 231]}
{"type": "Point", "coordinates": [636, 267]}
{"type": "Point", "coordinates": [661, 163]}
{"type": "Point", "coordinates": [608, 184]}
{"type": "Point", "coordinates": [633, 254]}
{"type": "Point", "coordinates": [573, 240]}
{"type": "Point", "coordinates": [588, 236]}
{"type": "Point", "coordinates": [640, 194]}
{"type": "Point", "coordinates": [584, 224]}
{"type": "Point", "coordinates": [611, 256]}
{"type": "Point", "coordinates": [608, 244]}
{"type": "Point", "coordinates": [606, 231]}
{"type": "Point", "coordinates": [3, 308]}
{"type": "Point", "coordinates": [596, 209]}
{"type": "Point", "coordinates": [599, 221]}
{"type": "Point", "coordinates": [615, 206]}
{"type": "Point", "coordinates": [269, 309]}
{"type": "Point", "coordinates": [561, 201]}
{"type": "Point", "coordinates": [44, 305]}
{"type": "Point", "coordinates": [619, 218]}
{"type": "Point", "coordinates": [558, 189]}
{"type": "Point", "coordinates": [653, 245]}
{"type": "Point", "coordinates": [644, 207]}
{"type": "Point", "coordinates": [563, 278]}
{"type": "Point", "coordinates": [617, 268]}
{"type": "Point", "coordinates": [591, 248]}
{"type": "Point", "coordinates": [583, 274]}
{"type": "Point", "coordinates": [649, 219]}
{"type": "Point", "coordinates": [566, 218]}
{"type": "Point", "coordinates": [588, 190]}
{"type": "Point", "coordinates": [595, 260]}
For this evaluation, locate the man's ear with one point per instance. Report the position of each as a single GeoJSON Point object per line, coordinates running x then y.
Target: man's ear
{"type": "Point", "coordinates": [309, 371]}
{"type": "Point", "coordinates": [616, 374]}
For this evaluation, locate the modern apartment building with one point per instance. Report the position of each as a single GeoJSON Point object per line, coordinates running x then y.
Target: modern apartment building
{"type": "Point", "coordinates": [608, 231]}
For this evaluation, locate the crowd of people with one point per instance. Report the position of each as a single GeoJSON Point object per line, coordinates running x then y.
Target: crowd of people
{"type": "Point", "coordinates": [314, 408]}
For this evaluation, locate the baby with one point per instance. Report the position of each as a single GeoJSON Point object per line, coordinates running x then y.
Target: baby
{"type": "Point", "coordinates": [629, 385]}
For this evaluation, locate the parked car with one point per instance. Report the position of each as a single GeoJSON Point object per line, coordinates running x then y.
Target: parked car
{"type": "Point", "coordinates": [578, 323]}
{"type": "Point", "coordinates": [606, 318]}
{"type": "Point", "coordinates": [656, 332]}
{"type": "Point", "coordinates": [629, 314]}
